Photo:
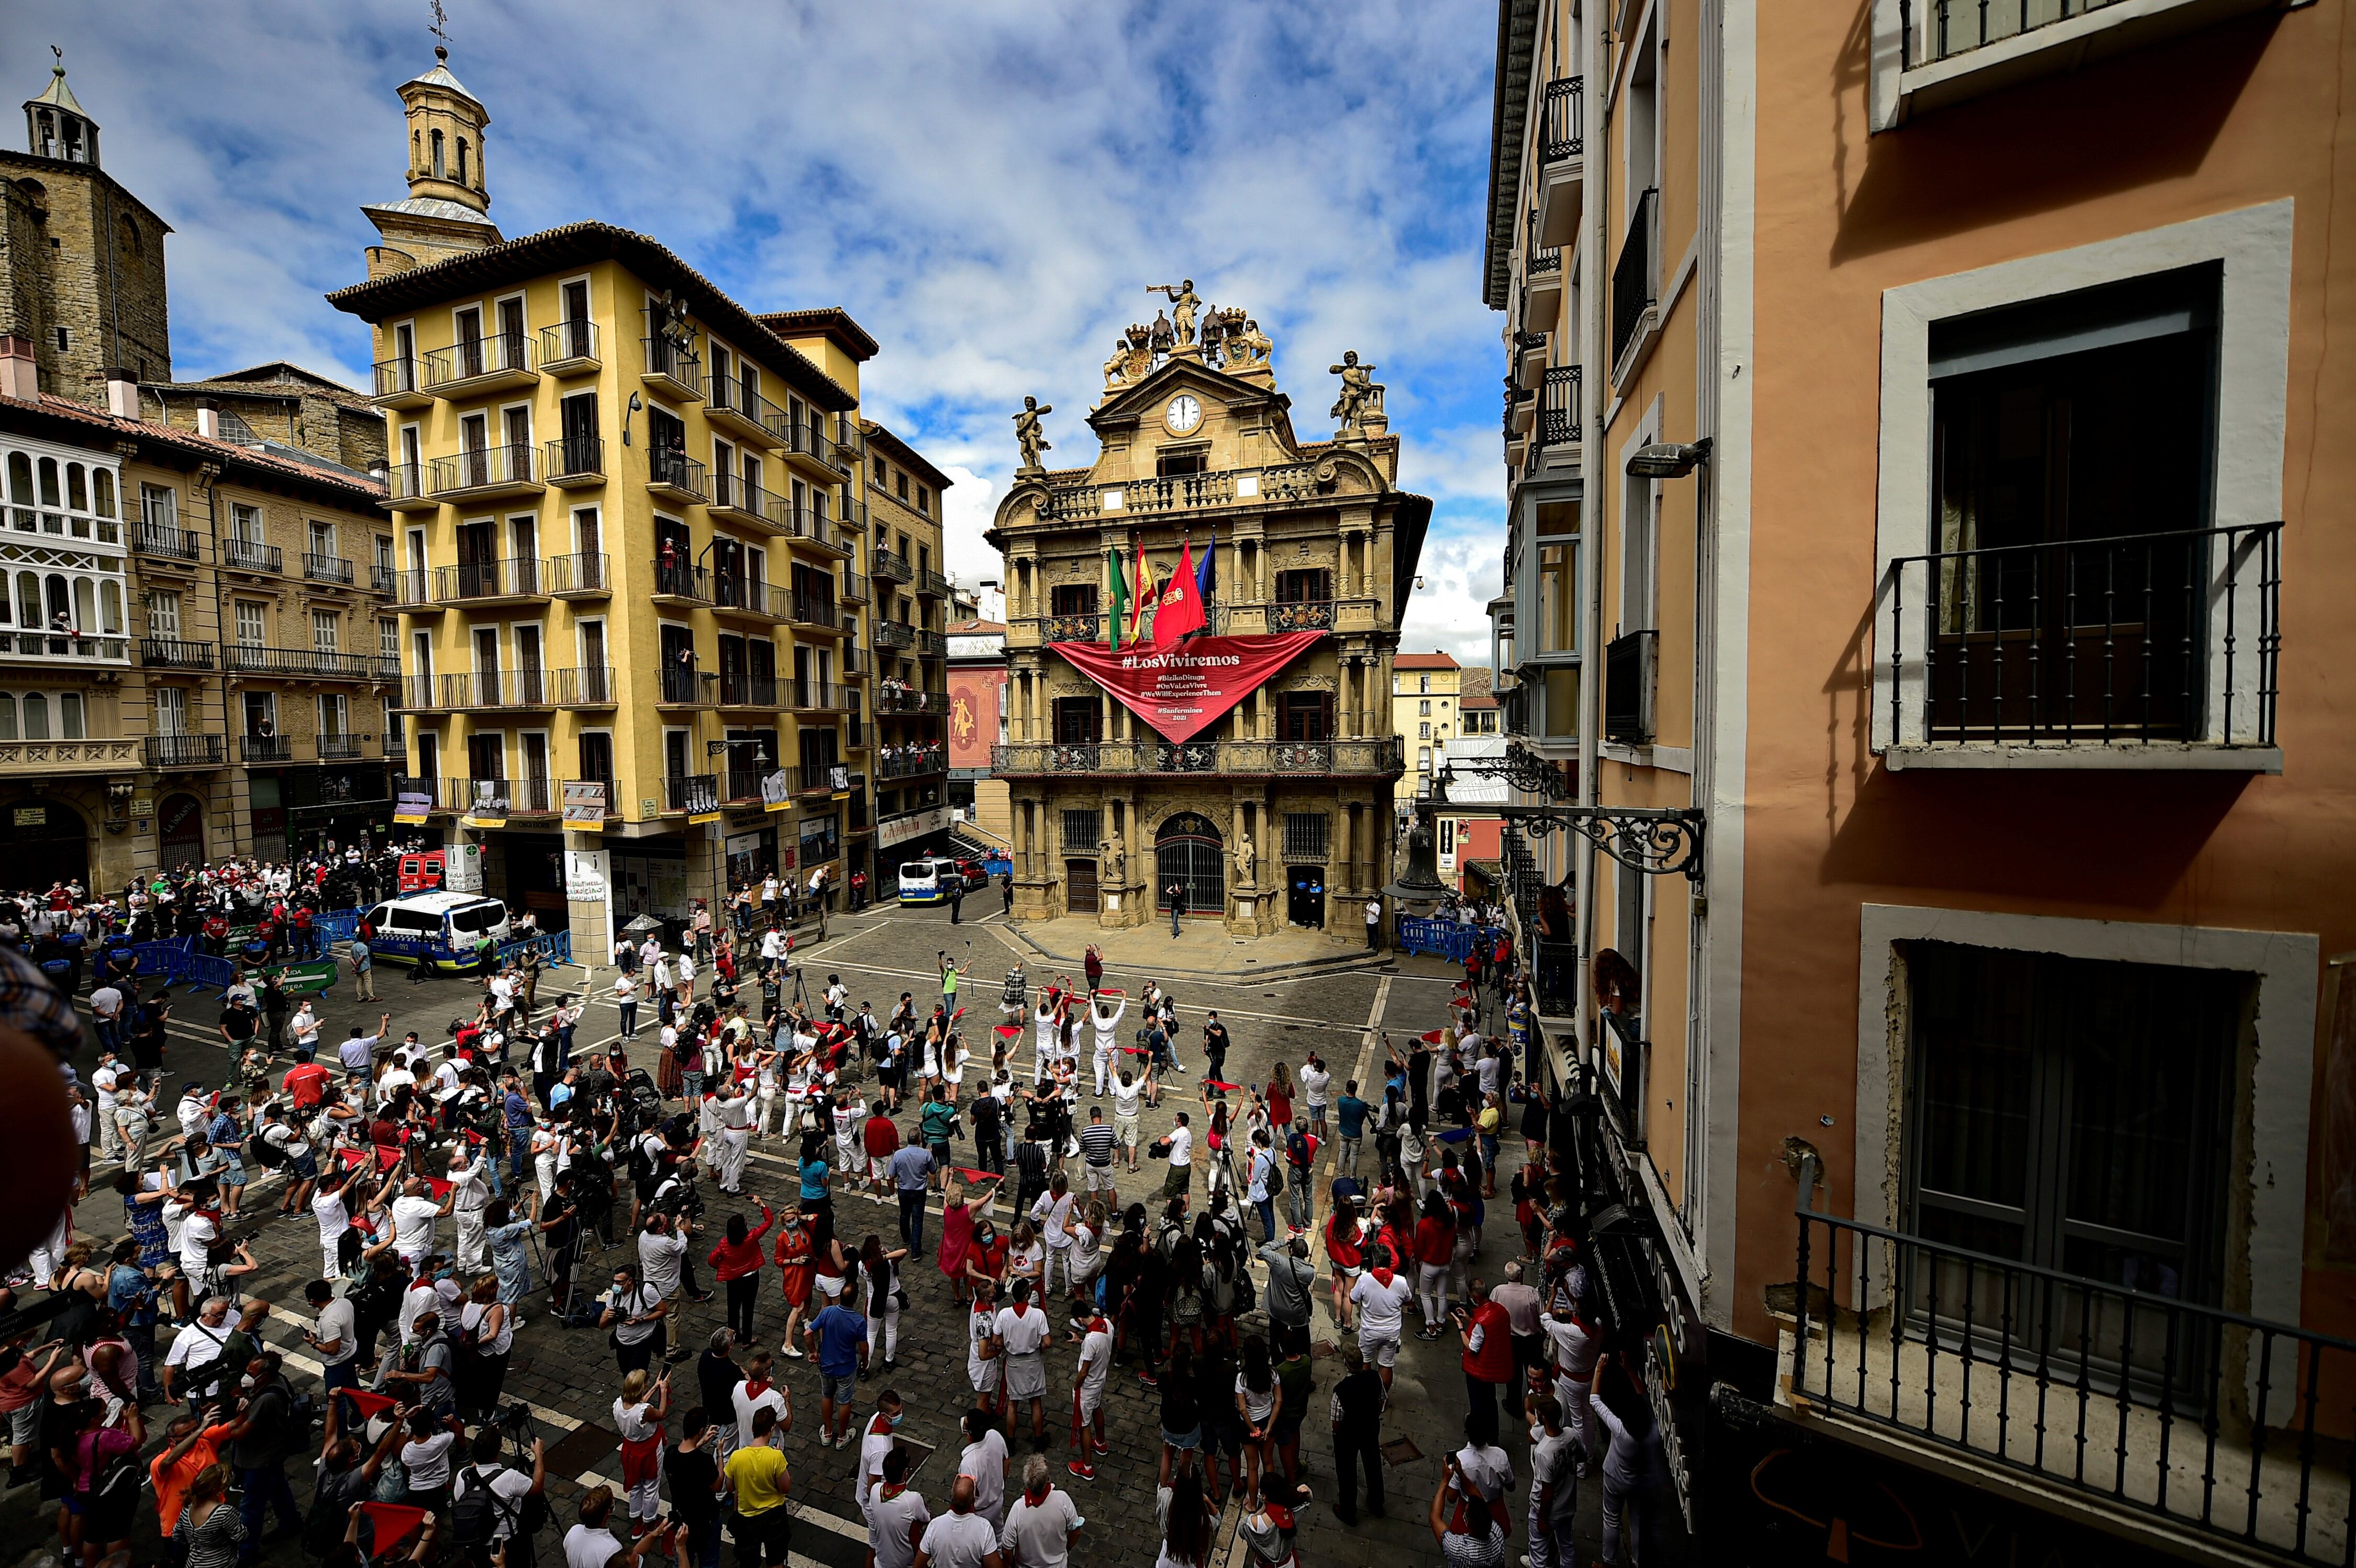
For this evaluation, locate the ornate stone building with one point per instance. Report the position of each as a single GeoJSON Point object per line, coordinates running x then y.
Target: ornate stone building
{"type": "Point", "coordinates": [1278, 809]}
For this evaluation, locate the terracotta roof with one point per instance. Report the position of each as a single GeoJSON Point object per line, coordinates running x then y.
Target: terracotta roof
{"type": "Point", "coordinates": [907, 457]}
{"type": "Point", "coordinates": [1423, 661]}
{"type": "Point", "coordinates": [362, 491]}
{"type": "Point", "coordinates": [1476, 700]}
{"type": "Point", "coordinates": [569, 245]}
{"type": "Point", "coordinates": [976, 629]}
{"type": "Point", "coordinates": [830, 321]}
{"type": "Point", "coordinates": [278, 379]}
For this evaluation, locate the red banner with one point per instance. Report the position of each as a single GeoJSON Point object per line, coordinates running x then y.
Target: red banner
{"type": "Point", "coordinates": [1184, 690]}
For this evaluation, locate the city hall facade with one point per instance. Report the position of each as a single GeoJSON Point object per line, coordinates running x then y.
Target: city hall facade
{"type": "Point", "coordinates": [1267, 801]}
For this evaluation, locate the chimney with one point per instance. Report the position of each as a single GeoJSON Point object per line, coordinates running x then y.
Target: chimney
{"type": "Point", "coordinates": [208, 418]}
{"type": "Point", "coordinates": [121, 391]}
{"type": "Point", "coordinates": [19, 377]}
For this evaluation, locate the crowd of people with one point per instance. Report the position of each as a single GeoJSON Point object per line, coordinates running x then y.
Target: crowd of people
{"type": "Point", "coordinates": [461, 1185]}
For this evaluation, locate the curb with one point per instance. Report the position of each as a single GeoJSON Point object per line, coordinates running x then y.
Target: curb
{"type": "Point", "coordinates": [1338, 965]}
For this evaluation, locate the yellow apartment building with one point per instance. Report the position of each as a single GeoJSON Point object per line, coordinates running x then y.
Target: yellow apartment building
{"type": "Point", "coordinates": [1425, 691]}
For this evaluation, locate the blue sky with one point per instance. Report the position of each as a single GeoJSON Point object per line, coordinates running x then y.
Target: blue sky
{"type": "Point", "coordinates": [986, 187]}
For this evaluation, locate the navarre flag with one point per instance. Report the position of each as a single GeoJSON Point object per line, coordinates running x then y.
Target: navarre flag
{"type": "Point", "coordinates": [1180, 607]}
{"type": "Point", "coordinates": [1141, 585]}
{"type": "Point", "coordinates": [1120, 597]}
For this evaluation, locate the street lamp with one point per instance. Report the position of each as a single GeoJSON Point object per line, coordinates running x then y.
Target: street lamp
{"type": "Point", "coordinates": [1668, 460]}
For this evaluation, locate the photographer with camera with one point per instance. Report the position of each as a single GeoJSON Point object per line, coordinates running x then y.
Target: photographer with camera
{"type": "Point", "coordinates": [492, 1502]}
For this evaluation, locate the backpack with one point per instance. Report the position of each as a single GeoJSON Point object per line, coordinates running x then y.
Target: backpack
{"type": "Point", "coordinates": [264, 1152]}
{"type": "Point", "coordinates": [117, 1483]}
{"type": "Point", "coordinates": [477, 1510]}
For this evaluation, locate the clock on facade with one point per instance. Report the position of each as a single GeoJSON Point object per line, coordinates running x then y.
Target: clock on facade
{"type": "Point", "coordinates": [1185, 414]}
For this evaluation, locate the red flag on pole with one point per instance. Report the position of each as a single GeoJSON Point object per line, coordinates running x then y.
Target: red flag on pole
{"type": "Point", "coordinates": [1181, 610]}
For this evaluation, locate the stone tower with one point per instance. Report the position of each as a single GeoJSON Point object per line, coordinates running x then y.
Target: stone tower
{"type": "Point", "coordinates": [81, 260]}
{"type": "Point", "coordinates": [447, 211]}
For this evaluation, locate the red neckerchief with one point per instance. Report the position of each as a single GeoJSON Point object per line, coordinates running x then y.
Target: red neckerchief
{"type": "Point", "coordinates": [754, 1391]}
{"type": "Point", "coordinates": [1098, 1325]}
{"type": "Point", "coordinates": [1019, 1308]}
{"type": "Point", "coordinates": [1383, 1277]}
{"type": "Point", "coordinates": [879, 1425]}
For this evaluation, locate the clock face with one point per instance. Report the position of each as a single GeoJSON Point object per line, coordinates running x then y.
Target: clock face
{"type": "Point", "coordinates": [1184, 415]}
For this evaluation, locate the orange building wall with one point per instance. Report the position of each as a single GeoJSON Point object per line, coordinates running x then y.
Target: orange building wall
{"type": "Point", "coordinates": [2226, 118]}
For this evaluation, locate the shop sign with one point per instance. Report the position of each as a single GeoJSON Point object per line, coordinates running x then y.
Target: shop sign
{"type": "Point", "coordinates": [411, 806]}
{"type": "Point", "coordinates": [585, 875]}
{"type": "Point", "coordinates": [32, 816]}
{"type": "Point", "coordinates": [915, 825]}
{"type": "Point", "coordinates": [1184, 690]}
{"type": "Point", "coordinates": [461, 868]}
{"type": "Point", "coordinates": [143, 805]}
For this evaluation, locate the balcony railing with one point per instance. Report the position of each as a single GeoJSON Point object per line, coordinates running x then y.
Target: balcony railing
{"type": "Point", "coordinates": [165, 540]}
{"type": "Point", "coordinates": [1562, 125]}
{"type": "Point", "coordinates": [251, 555]}
{"type": "Point", "coordinates": [574, 459]}
{"type": "Point", "coordinates": [805, 436]}
{"type": "Point", "coordinates": [893, 697]}
{"type": "Point", "coordinates": [2171, 638]}
{"type": "Point", "coordinates": [741, 689]}
{"type": "Point", "coordinates": [911, 761]}
{"type": "Point", "coordinates": [265, 749]}
{"type": "Point", "coordinates": [171, 653]}
{"type": "Point", "coordinates": [857, 661]}
{"type": "Point", "coordinates": [894, 634]}
{"type": "Point", "coordinates": [687, 687]}
{"type": "Point", "coordinates": [818, 696]}
{"type": "Point", "coordinates": [347, 747]}
{"type": "Point", "coordinates": [187, 750]}
{"type": "Point", "coordinates": [1275, 485]}
{"type": "Point", "coordinates": [397, 380]}
{"type": "Point", "coordinates": [380, 575]}
{"type": "Point", "coordinates": [327, 569]}
{"type": "Point", "coordinates": [502, 354]}
{"type": "Point", "coordinates": [482, 469]}
{"type": "Point", "coordinates": [675, 579]}
{"type": "Point", "coordinates": [411, 587]}
{"type": "Point", "coordinates": [516, 578]}
{"type": "Point", "coordinates": [812, 526]}
{"type": "Point", "coordinates": [613, 800]}
{"type": "Point", "coordinates": [587, 686]}
{"type": "Point", "coordinates": [854, 589]}
{"type": "Point", "coordinates": [1382, 756]}
{"type": "Point", "coordinates": [1558, 413]}
{"type": "Point", "coordinates": [67, 647]}
{"type": "Point", "coordinates": [666, 363]}
{"type": "Point", "coordinates": [890, 566]}
{"type": "Point", "coordinates": [405, 482]}
{"type": "Point", "coordinates": [315, 663]}
{"type": "Point", "coordinates": [931, 582]}
{"type": "Point", "coordinates": [735, 493]}
{"type": "Point", "coordinates": [499, 689]}
{"type": "Point", "coordinates": [746, 786]}
{"type": "Point", "coordinates": [736, 591]}
{"type": "Point", "coordinates": [809, 610]}
{"type": "Point", "coordinates": [581, 572]}
{"type": "Point", "coordinates": [1083, 627]}
{"type": "Point", "coordinates": [500, 797]}
{"type": "Point", "coordinates": [1630, 677]}
{"type": "Point", "coordinates": [691, 793]}
{"type": "Point", "coordinates": [569, 345]}
{"type": "Point", "coordinates": [1538, 261]}
{"type": "Point", "coordinates": [677, 475]}
{"type": "Point", "coordinates": [731, 396]}
{"type": "Point", "coordinates": [2226, 1426]}
{"type": "Point", "coordinates": [1634, 285]}
{"type": "Point", "coordinates": [1954, 29]}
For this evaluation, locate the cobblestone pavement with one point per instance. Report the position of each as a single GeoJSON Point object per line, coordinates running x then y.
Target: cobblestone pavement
{"type": "Point", "coordinates": [569, 1376]}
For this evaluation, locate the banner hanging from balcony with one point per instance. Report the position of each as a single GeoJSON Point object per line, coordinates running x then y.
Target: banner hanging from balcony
{"type": "Point", "coordinates": [1183, 690]}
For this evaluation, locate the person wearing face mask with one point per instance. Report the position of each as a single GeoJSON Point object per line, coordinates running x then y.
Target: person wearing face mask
{"type": "Point", "coordinates": [469, 1195]}
{"type": "Point", "coordinates": [875, 1444]}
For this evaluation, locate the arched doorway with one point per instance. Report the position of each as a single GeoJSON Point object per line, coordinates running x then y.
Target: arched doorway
{"type": "Point", "coordinates": [180, 830]}
{"type": "Point", "coordinates": [41, 841]}
{"type": "Point", "coordinates": [1190, 851]}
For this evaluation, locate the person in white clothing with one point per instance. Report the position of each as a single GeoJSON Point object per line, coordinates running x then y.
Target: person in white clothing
{"type": "Point", "coordinates": [960, 1538]}
{"type": "Point", "coordinates": [1042, 1524]}
{"type": "Point", "coordinates": [1053, 1214]}
{"type": "Point", "coordinates": [756, 1394]}
{"type": "Point", "coordinates": [470, 1192]}
{"type": "Point", "coordinates": [1045, 1027]}
{"type": "Point", "coordinates": [732, 1112]}
{"type": "Point", "coordinates": [1022, 1332]}
{"type": "Point", "coordinates": [896, 1515]}
{"type": "Point", "coordinates": [1107, 1031]}
{"type": "Point", "coordinates": [413, 1214]}
{"type": "Point", "coordinates": [987, 1461]}
{"type": "Point", "coordinates": [1381, 1297]}
{"type": "Point", "coordinates": [1087, 1399]}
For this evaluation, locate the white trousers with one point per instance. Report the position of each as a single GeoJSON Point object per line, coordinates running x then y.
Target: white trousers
{"type": "Point", "coordinates": [733, 1142]}
{"type": "Point", "coordinates": [1104, 1069]}
{"type": "Point", "coordinates": [470, 1239]}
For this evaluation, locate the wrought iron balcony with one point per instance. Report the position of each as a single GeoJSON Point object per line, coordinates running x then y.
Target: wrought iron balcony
{"type": "Point", "coordinates": [818, 696]}
{"type": "Point", "coordinates": [381, 576]}
{"type": "Point", "coordinates": [251, 555]}
{"type": "Point", "coordinates": [732, 593]}
{"type": "Point", "coordinates": [854, 660]}
{"type": "Point", "coordinates": [307, 663]}
{"type": "Point", "coordinates": [347, 747]}
{"type": "Point", "coordinates": [1278, 484]}
{"type": "Point", "coordinates": [892, 697]}
{"type": "Point", "coordinates": [1562, 123]}
{"type": "Point", "coordinates": [583, 574]}
{"type": "Point", "coordinates": [811, 610]}
{"type": "Point", "coordinates": [411, 694]}
{"type": "Point", "coordinates": [187, 750]}
{"type": "Point", "coordinates": [500, 798]}
{"type": "Point", "coordinates": [400, 383]}
{"type": "Point", "coordinates": [932, 583]}
{"type": "Point", "coordinates": [678, 582]}
{"type": "Point", "coordinates": [808, 525]}
{"type": "Point", "coordinates": [327, 569]}
{"type": "Point", "coordinates": [807, 438]}
{"type": "Point", "coordinates": [78, 649]}
{"type": "Point", "coordinates": [1634, 287]}
{"type": "Point", "coordinates": [854, 589]}
{"type": "Point", "coordinates": [2135, 1403]}
{"type": "Point", "coordinates": [170, 653]}
{"type": "Point", "coordinates": [889, 566]}
{"type": "Point", "coordinates": [487, 688]}
{"type": "Point", "coordinates": [265, 749]}
{"type": "Point", "coordinates": [1374, 756]}
{"type": "Point", "coordinates": [165, 541]}
{"type": "Point", "coordinates": [574, 461]}
{"type": "Point", "coordinates": [1559, 412]}
{"type": "Point", "coordinates": [516, 580]}
{"type": "Point", "coordinates": [1087, 628]}
{"type": "Point", "coordinates": [2168, 639]}
{"type": "Point", "coordinates": [911, 761]}
{"type": "Point", "coordinates": [677, 476]}
{"type": "Point", "coordinates": [480, 364]}
{"type": "Point", "coordinates": [569, 347]}
{"type": "Point", "coordinates": [686, 687]}
{"type": "Point", "coordinates": [587, 686]}
{"type": "Point", "coordinates": [405, 488]}
{"type": "Point", "coordinates": [740, 689]}
{"type": "Point", "coordinates": [895, 634]}
{"type": "Point", "coordinates": [745, 412]}
{"type": "Point", "coordinates": [1303, 615]}
{"type": "Point", "coordinates": [737, 500]}
{"type": "Point", "coordinates": [670, 370]}
{"type": "Point", "coordinates": [411, 588]}
{"type": "Point", "coordinates": [483, 473]}
{"type": "Point", "coordinates": [696, 792]}
{"type": "Point", "coordinates": [1538, 261]}
{"type": "Point", "coordinates": [1631, 676]}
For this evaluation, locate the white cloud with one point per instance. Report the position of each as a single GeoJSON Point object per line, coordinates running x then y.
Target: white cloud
{"type": "Point", "coordinates": [1450, 613]}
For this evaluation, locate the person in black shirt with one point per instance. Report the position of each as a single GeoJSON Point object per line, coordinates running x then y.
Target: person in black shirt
{"type": "Point", "coordinates": [1214, 1046]}
{"type": "Point", "coordinates": [989, 1143]}
{"type": "Point", "coordinates": [716, 1377]}
{"type": "Point", "coordinates": [1357, 1411]}
{"type": "Point", "coordinates": [692, 1468]}
{"type": "Point", "coordinates": [560, 1227]}
{"type": "Point", "coordinates": [147, 1037]}
{"type": "Point", "coordinates": [275, 1009]}
{"type": "Point", "coordinates": [237, 1023]}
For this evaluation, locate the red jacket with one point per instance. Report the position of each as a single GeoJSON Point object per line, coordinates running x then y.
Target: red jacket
{"type": "Point", "coordinates": [1493, 1362]}
{"type": "Point", "coordinates": [1435, 1242]}
{"type": "Point", "coordinates": [734, 1262]}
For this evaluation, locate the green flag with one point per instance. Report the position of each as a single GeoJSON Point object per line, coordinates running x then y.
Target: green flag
{"type": "Point", "coordinates": [1120, 596]}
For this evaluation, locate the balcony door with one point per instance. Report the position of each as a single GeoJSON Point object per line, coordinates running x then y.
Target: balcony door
{"type": "Point", "coordinates": [2072, 443]}
{"type": "Point", "coordinates": [597, 757]}
{"type": "Point", "coordinates": [511, 345]}
{"type": "Point", "coordinates": [531, 679]}
{"type": "Point", "coordinates": [594, 681]}
{"type": "Point", "coordinates": [578, 416]}
{"type": "Point", "coordinates": [486, 665]}
{"type": "Point", "coordinates": [470, 350]}
{"type": "Point", "coordinates": [474, 442]}
{"type": "Point", "coordinates": [478, 559]}
{"type": "Point", "coordinates": [535, 795]}
{"type": "Point", "coordinates": [1079, 721]}
{"type": "Point", "coordinates": [1305, 715]}
{"type": "Point", "coordinates": [486, 755]}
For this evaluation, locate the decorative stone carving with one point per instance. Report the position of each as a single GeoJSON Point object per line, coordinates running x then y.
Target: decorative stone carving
{"type": "Point", "coordinates": [1113, 861]}
{"type": "Point", "coordinates": [1245, 859]}
{"type": "Point", "coordinates": [1031, 436]}
{"type": "Point", "coordinates": [1184, 303]}
{"type": "Point", "coordinates": [1357, 393]}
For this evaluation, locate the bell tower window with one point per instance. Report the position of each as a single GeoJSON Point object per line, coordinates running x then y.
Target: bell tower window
{"type": "Point", "coordinates": [462, 160]}
{"type": "Point", "coordinates": [434, 140]}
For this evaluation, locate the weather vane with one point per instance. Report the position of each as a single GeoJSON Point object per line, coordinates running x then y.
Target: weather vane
{"type": "Point", "coordinates": [441, 27]}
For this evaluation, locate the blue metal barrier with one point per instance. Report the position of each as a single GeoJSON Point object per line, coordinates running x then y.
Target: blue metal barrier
{"type": "Point", "coordinates": [553, 947]}
{"type": "Point", "coordinates": [1448, 939]}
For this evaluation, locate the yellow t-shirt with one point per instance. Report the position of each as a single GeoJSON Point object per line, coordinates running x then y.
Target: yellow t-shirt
{"type": "Point", "coordinates": [760, 1477]}
{"type": "Point", "coordinates": [1488, 1120]}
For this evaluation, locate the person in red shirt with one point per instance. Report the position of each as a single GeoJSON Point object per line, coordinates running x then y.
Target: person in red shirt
{"type": "Point", "coordinates": [1488, 1360]}
{"type": "Point", "coordinates": [736, 1263]}
{"type": "Point", "coordinates": [880, 1138]}
{"type": "Point", "coordinates": [305, 1086]}
{"type": "Point", "coordinates": [1435, 1247]}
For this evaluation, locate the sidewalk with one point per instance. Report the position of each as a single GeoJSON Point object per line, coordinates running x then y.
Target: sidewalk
{"type": "Point", "coordinates": [1202, 950]}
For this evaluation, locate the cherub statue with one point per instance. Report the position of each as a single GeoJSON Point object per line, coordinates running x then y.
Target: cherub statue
{"type": "Point", "coordinates": [1116, 369]}
{"type": "Point", "coordinates": [1358, 391]}
{"type": "Point", "coordinates": [1028, 434]}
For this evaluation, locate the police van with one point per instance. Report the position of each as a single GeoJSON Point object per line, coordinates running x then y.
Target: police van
{"type": "Point", "coordinates": [435, 930]}
{"type": "Point", "coordinates": [929, 880]}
